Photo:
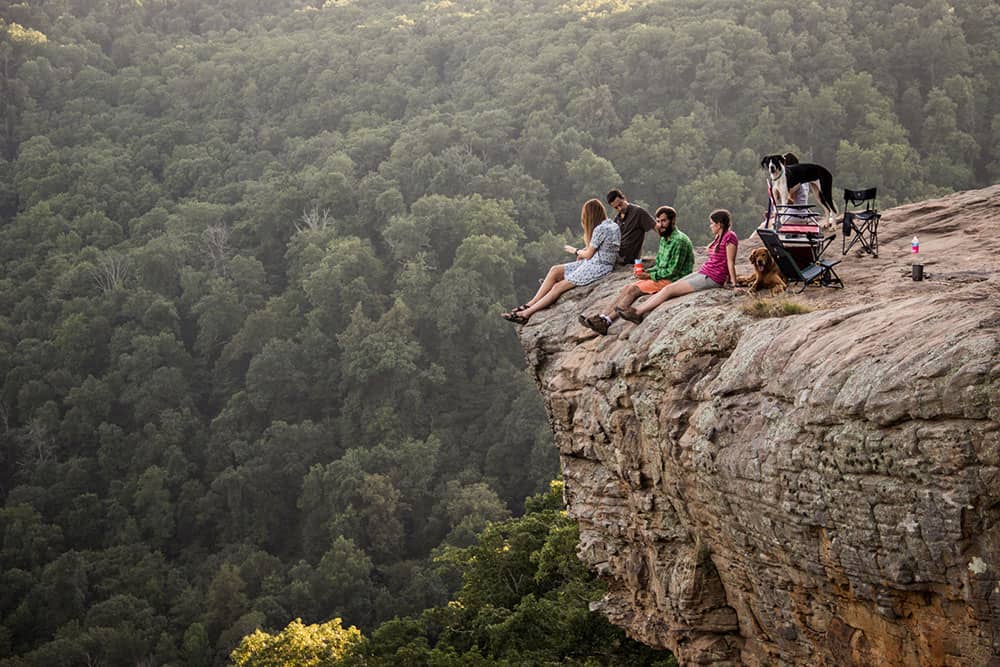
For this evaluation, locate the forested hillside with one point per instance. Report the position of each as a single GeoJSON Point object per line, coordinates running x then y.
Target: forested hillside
{"type": "Point", "coordinates": [254, 255]}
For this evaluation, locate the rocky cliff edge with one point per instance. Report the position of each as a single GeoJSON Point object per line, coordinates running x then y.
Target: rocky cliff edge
{"type": "Point", "coordinates": [821, 488]}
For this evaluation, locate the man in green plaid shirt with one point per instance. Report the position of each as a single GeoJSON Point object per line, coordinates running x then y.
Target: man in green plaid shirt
{"type": "Point", "coordinates": [674, 260]}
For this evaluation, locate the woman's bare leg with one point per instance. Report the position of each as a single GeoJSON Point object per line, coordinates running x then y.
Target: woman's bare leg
{"type": "Point", "coordinates": [554, 275]}
{"type": "Point", "coordinates": [679, 288]}
{"type": "Point", "coordinates": [548, 299]}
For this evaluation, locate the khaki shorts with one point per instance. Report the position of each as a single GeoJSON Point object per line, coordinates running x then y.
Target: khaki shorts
{"type": "Point", "coordinates": [699, 281]}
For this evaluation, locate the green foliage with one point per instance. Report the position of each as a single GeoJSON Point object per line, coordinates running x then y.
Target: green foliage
{"type": "Point", "coordinates": [589, 174]}
{"type": "Point", "coordinates": [27, 540]}
{"type": "Point", "coordinates": [702, 196]}
{"type": "Point", "coordinates": [524, 600]}
{"type": "Point", "coordinates": [253, 256]}
{"type": "Point", "coordinates": [297, 644]}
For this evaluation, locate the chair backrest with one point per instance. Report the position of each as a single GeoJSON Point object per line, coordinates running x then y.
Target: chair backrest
{"type": "Point", "coordinates": [786, 263]}
{"type": "Point", "coordinates": [857, 198]}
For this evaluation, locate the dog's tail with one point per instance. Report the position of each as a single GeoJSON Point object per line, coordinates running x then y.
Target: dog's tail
{"type": "Point", "coordinates": [826, 190]}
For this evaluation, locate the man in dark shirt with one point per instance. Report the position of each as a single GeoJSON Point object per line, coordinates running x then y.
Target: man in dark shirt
{"type": "Point", "coordinates": [634, 221]}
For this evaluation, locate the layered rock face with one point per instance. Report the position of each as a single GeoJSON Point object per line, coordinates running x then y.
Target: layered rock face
{"type": "Point", "coordinates": [815, 489]}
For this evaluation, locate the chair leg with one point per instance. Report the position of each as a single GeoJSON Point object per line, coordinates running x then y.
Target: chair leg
{"type": "Point", "coordinates": [866, 236]}
{"type": "Point", "coordinates": [865, 247]}
{"type": "Point", "coordinates": [870, 241]}
{"type": "Point", "coordinates": [831, 279]}
{"type": "Point", "coordinates": [849, 241]}
{"type": "Point", "coordinates": [846, 232]}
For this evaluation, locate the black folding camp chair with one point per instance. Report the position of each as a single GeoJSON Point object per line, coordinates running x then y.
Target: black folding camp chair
{"type": "Point", "coordinates": [861, 218]}
{"type": "Point", "coordinates": [820, 272]}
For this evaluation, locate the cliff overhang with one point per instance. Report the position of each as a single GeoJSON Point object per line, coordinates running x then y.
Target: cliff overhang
{"type": "Point", "coordinates": [821, 488]}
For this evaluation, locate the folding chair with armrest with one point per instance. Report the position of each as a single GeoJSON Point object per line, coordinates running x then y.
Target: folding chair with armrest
{"type": "Point", "coordinates": [821, 271]}
{"type": "Point", "coordinates": [861, 218]}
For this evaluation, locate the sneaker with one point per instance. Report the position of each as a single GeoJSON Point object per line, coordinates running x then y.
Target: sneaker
{"type": "Point", "coordinates": [595, 323]}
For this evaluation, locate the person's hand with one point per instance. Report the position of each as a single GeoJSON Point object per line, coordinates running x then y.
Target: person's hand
{"type": "Point", "coordinates": [642, 275]}
{"type": "Point", "coordinates": [570, 249]}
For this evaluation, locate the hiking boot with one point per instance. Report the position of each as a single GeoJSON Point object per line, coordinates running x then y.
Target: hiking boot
{"type": "Point", "coordinates": [629, 314]}
{"type": "Point", "coordinates": [595, 323]}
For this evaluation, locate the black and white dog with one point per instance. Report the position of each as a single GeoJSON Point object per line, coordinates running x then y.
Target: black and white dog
{"type": "Point", "coordinates": [785, 177]}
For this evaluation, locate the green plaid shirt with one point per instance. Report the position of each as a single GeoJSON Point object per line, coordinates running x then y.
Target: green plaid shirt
{"type": "Point", "coordinates": [674, 259]}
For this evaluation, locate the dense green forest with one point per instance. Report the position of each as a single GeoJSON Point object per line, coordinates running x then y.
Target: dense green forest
{"type": "Point", "coordinates": [523, 601]}
{"type": "Point", "coordinates": [254, 255]}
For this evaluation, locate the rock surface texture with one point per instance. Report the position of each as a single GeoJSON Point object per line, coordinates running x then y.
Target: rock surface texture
{"type": "Point", "coordinates": [815, 489]}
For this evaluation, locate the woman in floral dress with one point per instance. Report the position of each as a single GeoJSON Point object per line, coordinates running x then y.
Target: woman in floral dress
{"type": "Point", "coordinates": [595, 260]}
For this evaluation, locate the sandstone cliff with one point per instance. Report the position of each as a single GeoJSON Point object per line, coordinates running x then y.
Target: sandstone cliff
{"type": "Point", "coordinates": [821, 488]}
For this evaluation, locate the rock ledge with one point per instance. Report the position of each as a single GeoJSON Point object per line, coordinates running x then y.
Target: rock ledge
{"type": "Point", "coordinates": [822, 488]}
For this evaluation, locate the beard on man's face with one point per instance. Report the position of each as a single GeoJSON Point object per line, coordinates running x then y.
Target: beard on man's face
{"type": "Point", "coordinates": [667, 232]}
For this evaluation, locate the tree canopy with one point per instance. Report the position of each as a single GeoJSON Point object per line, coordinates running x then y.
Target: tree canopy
{"type": "Point", "coordinates": [253, 257]}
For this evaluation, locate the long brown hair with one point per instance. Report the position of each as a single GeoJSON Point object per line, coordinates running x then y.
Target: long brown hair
{"type": "Point", "coordinates": [592, 214]}
{"type": "Point", "coordinates": [724, 219]}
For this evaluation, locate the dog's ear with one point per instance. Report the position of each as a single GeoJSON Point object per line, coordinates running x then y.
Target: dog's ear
{"type": "Point", "coordinates": [763, 161]}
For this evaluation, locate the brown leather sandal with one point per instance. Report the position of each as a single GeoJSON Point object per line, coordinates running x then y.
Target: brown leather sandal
{"type": "Point", "coordinates": [515, 318]}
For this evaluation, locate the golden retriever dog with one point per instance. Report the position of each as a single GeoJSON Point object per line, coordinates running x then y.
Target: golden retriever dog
{"type": "Point", "coordinates": [766, 275]}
